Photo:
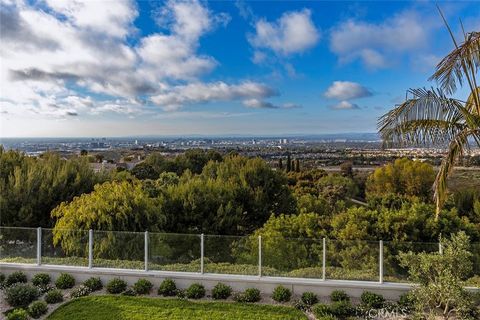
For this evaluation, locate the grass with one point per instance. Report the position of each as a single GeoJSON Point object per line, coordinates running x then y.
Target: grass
{"type": "Point", "coordinates": [140, 308]}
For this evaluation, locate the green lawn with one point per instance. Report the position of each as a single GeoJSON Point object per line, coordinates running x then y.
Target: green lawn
{"type": "Point", "coordinates": [141, 308]}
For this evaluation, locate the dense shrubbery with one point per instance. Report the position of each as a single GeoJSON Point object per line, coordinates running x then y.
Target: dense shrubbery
{"type": "Point", "coordinates": [94, 283]}
{"type": "Point", "coordinates": [41, 279]}
{"type": "Point", "coordinates": [372, 300]}
{"type": "Point", "coordinates": [37, 309]}
{"type": "Point", "coordinates": [15, 277]}
{"type": "Point", "coordinates": [250, 295]}
{"type": "Point", "coordinates": [167, 288]}
{"type": "Point", "coordinates": [116, 285]}
{"type": "Point", "coordinates": [17, 314]}
{"type": "Point", "coordinates": [281, 294]}
{"type": "Point", "coordinates": [21, 295]}
{"type": "Point", "coordinates": [195, 291]}
{"type": "Point", "coordinates": [65, 281]}
{"type": "Point", "coordinates": [339, 295]}
{"type": "Point", "coordinates": [142, 286]}
{"type": "Point", "coordinates": [221, 291]}
{"type": "Point", "coordinates": [53, 296]}
{"type": "Point", "coordinates": [309, 298]}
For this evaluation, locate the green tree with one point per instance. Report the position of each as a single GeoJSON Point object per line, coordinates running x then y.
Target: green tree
{"type": "Point", "coordinates": [431, 117]}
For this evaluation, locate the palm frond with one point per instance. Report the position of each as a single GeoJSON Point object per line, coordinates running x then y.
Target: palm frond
{"type": "Point", "coordinates": [428, 117]}
{"type": "Point", "coordinates": [471, 103]}
{"type": "Point", "coordinates": [457, 147]}
{"type": "Point", "coordinates": [460, 64]}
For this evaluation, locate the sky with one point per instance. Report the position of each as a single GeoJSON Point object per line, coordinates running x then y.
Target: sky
{"type": "Point", "coordinates": [126, 68]}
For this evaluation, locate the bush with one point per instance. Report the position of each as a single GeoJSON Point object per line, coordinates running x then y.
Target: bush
{"type": "Point", "coordinates": [94, 283]}
{"type": "Point", "coordinates": [167, 288]}
{"type": "Point", "coordinates": [339, 295]}
{"type": "Point", "coordinates": [341, 309]}
{"type": "Point", "coordinates": [65, 281]}
{"type": "Point", "coordinates": [250, 295]}
{"type": "Point", "coordinates": [17, 314]}
{"type": "Point", "coordinates": [116, 285]}
{"type": "Point", "coordinates": [129, 292]}
{"type": "Point", "coordinates": [44, 288]}
{"type": "Point", "coordinates": [321, 310]}
{"type": "Point", "coordinates": [407, 301]}
{"type": "Point", "coordinates": [281, 294]}
{"type": "Point", "coordinates": [21, 295]}
{"type": "Point", "coordinates": [180, 294]}
{"type": "Point", "coordinates": [80, 291]}
{"type": "Point", "coordinates": [372, 300]}
{"type": "Point", "coordinates": [143, 286]}
{"type": "Point", "coordinates": [2, 280]}
{"type": "Point", "coordinates": [37, 309]}
{"type": "Point", "coordinates": [16, 277]}
{"type": "Point", "coordinates": [41, 279]}
{"type": "Point", "coordinates": [221, 291]}
{"type": "Point", "coordinates": [54, 296]}
{"type": "Point", "coordinates": [309, 298]}
{"type": "Point", "coordinates": [195, 291]}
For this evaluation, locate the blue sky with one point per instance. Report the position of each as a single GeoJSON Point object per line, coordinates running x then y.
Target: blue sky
{"type": "Point", "coordinates": [117, 68]}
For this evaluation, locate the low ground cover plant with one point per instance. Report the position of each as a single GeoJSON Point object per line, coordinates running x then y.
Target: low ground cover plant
{"type": "Point", "coordinates": [18, 314]}
{"type": "Point", "coordinates": [80, 291]}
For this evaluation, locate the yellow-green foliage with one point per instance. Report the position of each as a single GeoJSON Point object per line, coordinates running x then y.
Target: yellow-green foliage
{"type": "Point", "coordinates": [403, 177]}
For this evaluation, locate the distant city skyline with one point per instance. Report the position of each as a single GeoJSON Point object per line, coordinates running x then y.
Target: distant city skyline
{"type": "Point", "coordinates": [126, 68]}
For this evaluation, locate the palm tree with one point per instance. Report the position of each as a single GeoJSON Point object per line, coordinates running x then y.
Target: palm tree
{"type": "Point", "coordinates": [433, 117]}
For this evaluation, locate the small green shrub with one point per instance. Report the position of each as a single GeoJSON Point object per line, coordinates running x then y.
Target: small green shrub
{"type": "Point", "coordinates": [116, 285]}
{"type": "Point", "coordinates": [17, 314]}
{"type": "Point", "coordinates": [321, 310]}
{"type": "Point", "coordinates": [65, 281]}
{"type": "Point", "coordinates": [300, 305]}
{"type": "Point", "coordinates": [407, 301]}
{"type": "Point", "coordinates": [309, 298]}
{"type": "Point", "coordinates": [16, 277]}
{"type": "Point", "coordinates": [281, 294]}
{"type": "Point", "coordinates": [167, 288]}
{"type": "Point", "coordinates": [339, 295]}
{"type": "Point", "coordinates": [180, 294]}
{"type": "Point", "coordinates": [37, 309]}
{"type": "Point", "coordinates": [80, 291]}
{"type": "Point", "coordinates": [21, 295]}
{"type": "Point", "coordinates": [372, 300]}
{"type": "Point", "coordinates": [250, 295]}
{"type": "Point", "coordinates": [129, 292]}
{"type": "Point", "coordinates": [195, 291]}
{"type": "Point", "coordinates": [143, 286]}
{"type": "Point", "coordinates": [94, 283]}
{"type": "Point", "coordinates": [41, 279]}
{"type": "Point", "coordinates": [221, 291]}
{"type": "Point", "coordinates": [54, 296]}
{"type": "Point", "coordinates": [341, 309]}
{"type": "Point", "coordinates": [44, 288]}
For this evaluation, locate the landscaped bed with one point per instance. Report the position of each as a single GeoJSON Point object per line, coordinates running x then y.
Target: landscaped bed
{"type": "Point", "coordinates": [140, 308]}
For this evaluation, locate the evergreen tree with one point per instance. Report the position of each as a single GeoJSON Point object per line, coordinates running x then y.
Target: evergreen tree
{"type": "Point", "coordinates": [280, 164]}
{"type": "Point", "coordinates": [289, 163]}
{"type": "Point", "coordinates": [297, 165]}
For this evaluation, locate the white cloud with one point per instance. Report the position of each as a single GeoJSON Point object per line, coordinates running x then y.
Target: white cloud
{"type": "Point", "coordinates": [294, 32]}
{"type": "Point", "coordinates": [345, 105]}
{"type": "Point", "coordinates": [55, 61]}
{"type": "Point", "coordinates": [174, 98]}
{"type": "Point", "coordinates": [260, 104]}
{"type": "Point", "coordinates": [374, 44]}
{"type": "Point", "coordinates": [346, 90]}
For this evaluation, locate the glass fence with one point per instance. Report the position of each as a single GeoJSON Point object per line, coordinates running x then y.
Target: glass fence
{"type": "Point", "coordinates": [248, 255]}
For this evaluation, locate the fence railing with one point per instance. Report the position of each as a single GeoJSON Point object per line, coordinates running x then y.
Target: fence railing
{"type": "Point", "coordinates": [244, 255]}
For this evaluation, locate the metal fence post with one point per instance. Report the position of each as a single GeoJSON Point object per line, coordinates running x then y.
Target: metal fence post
{"type": "Point", "coordinates": [90, 249]}
{"type": "Point", "coordinates": [324, 260]}
{"type": "Point", "coordinates": [259, 256]}
{"type": "Point", "coordinates": [39, 246]}
{"type": "Point", "coordinates": [380, 262]}
{"type": "Point", "coordinates": [201, 253]}
{"type": "Point", "coordinates": [146, 250]}
{"type": "Point", "coordinates": [440, 248]}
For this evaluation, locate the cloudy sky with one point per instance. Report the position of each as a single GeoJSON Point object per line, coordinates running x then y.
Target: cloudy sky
{"type": "Point", "coordinates": [117, 68]}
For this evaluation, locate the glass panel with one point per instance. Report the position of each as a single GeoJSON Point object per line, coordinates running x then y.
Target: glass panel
{"type": "Point", "coordinates": [18, 245]}
{"type": "Point", "coordinates": [352, 260]}
{"type": "Point", "coordinates": [65, 247]}
{"type": "Point", "coordinates": [118, 249]}
{"type": "Point", "coordinates": [174, 252]}
{"type": "Point", "coordinates": [230, 255]}
{"type": "Point", "coordinates": [292, 257]}
{"type": "Point", "coordinates": [393, 271]}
